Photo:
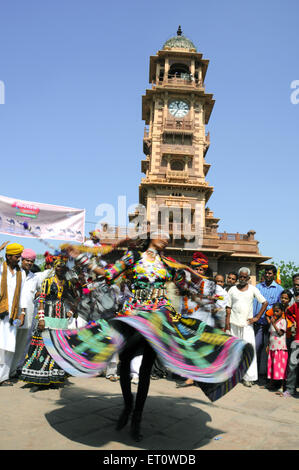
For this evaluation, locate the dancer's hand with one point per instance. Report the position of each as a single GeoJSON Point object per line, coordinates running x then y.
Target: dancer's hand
{"type": "Point", "coordinates": [41, 325]}
{"type": "Point", "coordinates": [72, 251]}
{"type": "Point", "coordinates": [3, 245]}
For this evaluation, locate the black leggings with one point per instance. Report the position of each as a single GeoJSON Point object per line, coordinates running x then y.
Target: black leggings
{"type": "Point", "coordinates": [136, 344]}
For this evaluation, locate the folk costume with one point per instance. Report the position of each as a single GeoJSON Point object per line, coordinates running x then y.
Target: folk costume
{"type": "Point", "coordinates": [11, 284]}
{"type": "Point", "coordinates": [32, 285]}
{"type": "Point", "coordinates": [54, 304]}
{"type": "Point", "coordinates": [187, 347]}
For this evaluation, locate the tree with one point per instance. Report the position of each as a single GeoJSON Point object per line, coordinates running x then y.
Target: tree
{"type": "Point", "coordinates": [287, 270]}
{"type": "Point", "coordinates": [40, 261]}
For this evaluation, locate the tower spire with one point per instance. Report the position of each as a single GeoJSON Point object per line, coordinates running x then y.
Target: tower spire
{"type": "Point", "coordinates": [179, 31]}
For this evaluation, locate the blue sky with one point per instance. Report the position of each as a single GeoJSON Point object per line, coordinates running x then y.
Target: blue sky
{"type": "Point", "coordinates": [71, 129]}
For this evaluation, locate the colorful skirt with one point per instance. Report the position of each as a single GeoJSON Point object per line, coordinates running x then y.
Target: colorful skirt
{"type": "Point", "coordinates": [185, 346]}
{"type": "Point", "coordinates": [277, 364]}
{"type": "Point", "coordinates": [39, 367]}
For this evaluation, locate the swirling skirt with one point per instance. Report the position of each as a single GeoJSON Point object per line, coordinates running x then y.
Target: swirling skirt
{"type": "Point", "coordinates": [186, 346]}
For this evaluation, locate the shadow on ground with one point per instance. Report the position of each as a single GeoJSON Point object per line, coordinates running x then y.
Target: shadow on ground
{"type": "Point", "coordinates": [89, 418]}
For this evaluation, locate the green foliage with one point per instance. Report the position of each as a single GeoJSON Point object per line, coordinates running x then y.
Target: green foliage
{"type": "Point", "coordinates": [40, 261]}
{"type": "Point", "coordinates": [287, 270]}
{"type": "Point", "coordinates": [261, 275]}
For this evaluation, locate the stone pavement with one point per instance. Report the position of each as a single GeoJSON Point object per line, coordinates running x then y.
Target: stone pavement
{"type": "Point", "coordinates": [82, 416]}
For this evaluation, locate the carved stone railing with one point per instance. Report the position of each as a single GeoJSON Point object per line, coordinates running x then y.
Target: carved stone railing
{"type": "Point", "coordinates": [178, 124]}
{"type": "Point", "coordinates": [233, 236]}
{"type": "Point", "coordinates": [177, 175]}
{"type": "Point", "coordinates": [177, 149]}
{"type": "Point", "coordinates": [175, 81]}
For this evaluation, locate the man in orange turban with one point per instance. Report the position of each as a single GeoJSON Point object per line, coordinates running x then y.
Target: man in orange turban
{"type": "Point", "coordinates": [14, 249]}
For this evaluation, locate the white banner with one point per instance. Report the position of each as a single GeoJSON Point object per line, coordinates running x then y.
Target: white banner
{"type": "Point", "coordinates": [43, 220]}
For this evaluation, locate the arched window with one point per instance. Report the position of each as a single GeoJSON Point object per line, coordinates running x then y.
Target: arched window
{"type": "Point", "coordinates": [177, 165]}
{"type": "Point", "coordinates": [179, 71]}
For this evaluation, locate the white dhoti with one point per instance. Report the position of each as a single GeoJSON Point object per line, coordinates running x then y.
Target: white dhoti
{"type": "Point", "coordinates": [20, 351]}
{"type": "Point", "coordinates": [8, 332]}
{"type": "Point", "coordinates": [8, 335]}
{"type": "Point", "coordinates": [6, 358]}
{"type": "Point", "coordinates": [247, 334]}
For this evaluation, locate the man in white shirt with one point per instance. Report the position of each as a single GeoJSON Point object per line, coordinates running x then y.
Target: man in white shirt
{"type": "Point", "coordinates": [239, 316]}
{"type": "Point", "coordinates": [11, 281]}
{"type": "Point", "coordinates": [32, 285]}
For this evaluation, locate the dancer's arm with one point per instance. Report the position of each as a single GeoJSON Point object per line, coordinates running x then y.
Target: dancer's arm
{"type": "Point", "coordinates": [227, 319]}
{"type": "Point", "coordinates": [110, 272]}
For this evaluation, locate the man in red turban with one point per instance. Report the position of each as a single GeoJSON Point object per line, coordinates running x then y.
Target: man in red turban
{"type": "Point", "coordinates": [199, 262]}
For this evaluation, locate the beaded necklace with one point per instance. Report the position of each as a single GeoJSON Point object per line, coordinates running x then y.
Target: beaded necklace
{"type": "Point", "coordinates": [60, 287]}
{"type": "Point", "coordinates": [191, 310]}
{"type": "Point", "coordinates": [187, 309]}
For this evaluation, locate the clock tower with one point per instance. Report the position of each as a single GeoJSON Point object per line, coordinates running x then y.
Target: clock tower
{"type": "Point", "coordinates": [176, 111]}
{"type": "Point", "coordinates": [174, 192]}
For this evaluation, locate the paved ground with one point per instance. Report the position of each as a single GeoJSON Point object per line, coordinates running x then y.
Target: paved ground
{"type": "Point", "coordinates": [82, 416]}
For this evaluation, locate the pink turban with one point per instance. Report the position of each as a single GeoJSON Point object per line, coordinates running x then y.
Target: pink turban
{"type": "Point", "coordinates": [29, 254]}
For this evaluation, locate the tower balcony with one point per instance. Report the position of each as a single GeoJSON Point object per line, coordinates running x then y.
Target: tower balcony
{"type": "Point", "coordinates": [187, 81]}
{"type": "Point", "coordinates": [177, 149]}
{"type": "Point", "coordinates": [145, 165]}
{"type": "Point", "coordinates": [172, 175]}
{"type": "Point", "coordinates": [178, 125]}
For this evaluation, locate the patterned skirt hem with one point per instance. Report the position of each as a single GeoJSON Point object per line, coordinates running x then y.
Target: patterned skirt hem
{"type": "Point", "coordinates": [37, 382]}
{"type": "Point", "coordinates": [189, 348]}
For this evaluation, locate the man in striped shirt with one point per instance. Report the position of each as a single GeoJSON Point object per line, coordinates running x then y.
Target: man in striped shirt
{"type": "Point", "coordinates": [271, 291]}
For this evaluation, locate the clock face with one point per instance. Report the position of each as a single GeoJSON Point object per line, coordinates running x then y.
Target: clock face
{"type": "Point", "coordinates": [178, 108]}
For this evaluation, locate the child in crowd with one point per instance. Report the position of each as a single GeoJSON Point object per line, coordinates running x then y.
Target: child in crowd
{"type": "Point", "coordinates": [292, 314]}
{"type": "Point", "coordinates": [285, 299]}
{"type": "Point", "coordinates": [277, 348]}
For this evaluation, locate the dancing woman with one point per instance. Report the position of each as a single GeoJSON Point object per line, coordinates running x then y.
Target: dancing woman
{"type": "Point", "coordinates": [148, 275]}
{"type": "Point", "coordinates": [148, 324]}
